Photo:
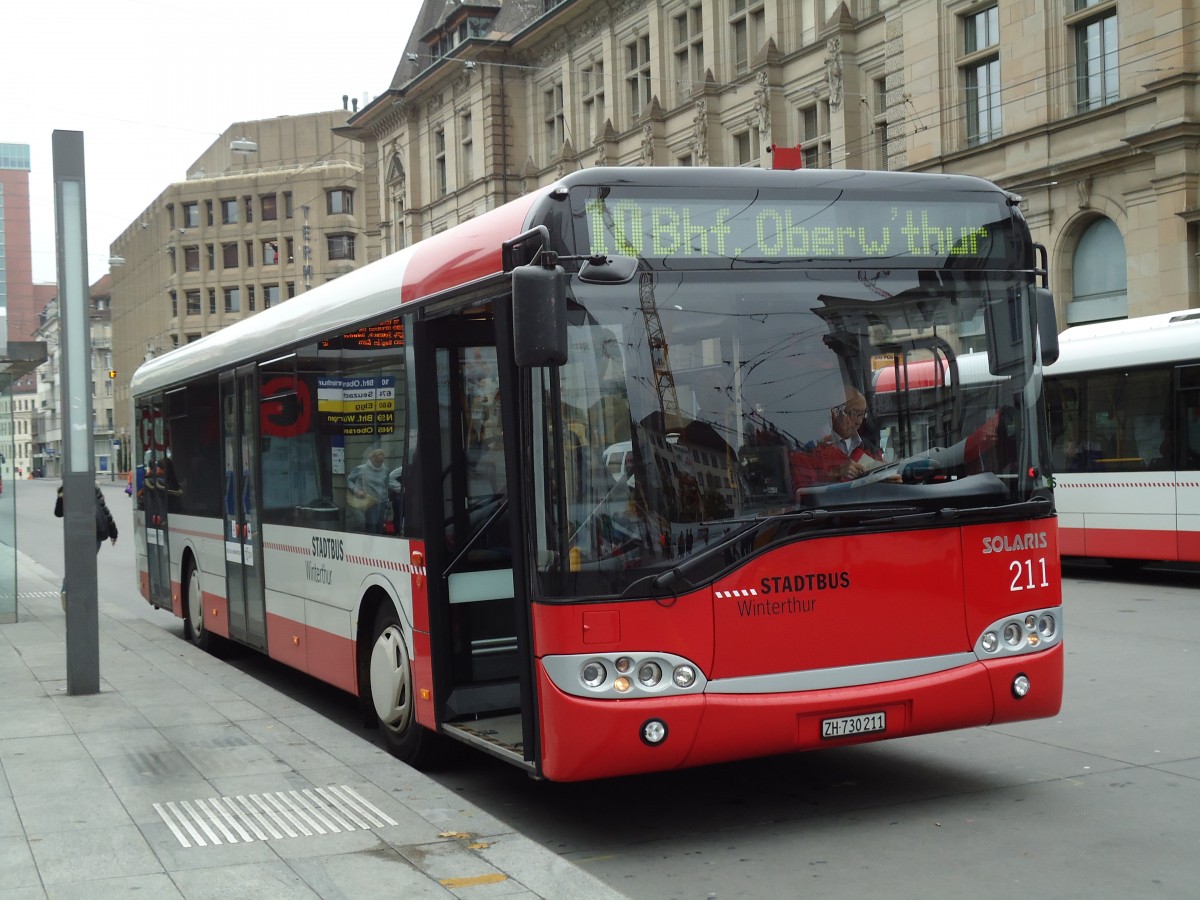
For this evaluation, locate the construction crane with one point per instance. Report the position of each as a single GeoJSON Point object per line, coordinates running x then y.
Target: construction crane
{"type": "Point", "coordinates": [692, 500]}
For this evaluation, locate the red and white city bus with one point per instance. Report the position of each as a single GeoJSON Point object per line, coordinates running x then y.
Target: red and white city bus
{"type": "Point", "coordinates": [1124, 406]}
{"type": "Point", "coordinates": [530, 483]}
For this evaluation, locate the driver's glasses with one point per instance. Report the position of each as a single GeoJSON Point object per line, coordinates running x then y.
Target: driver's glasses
{"type": "Point", "coordinates": [849, 412]}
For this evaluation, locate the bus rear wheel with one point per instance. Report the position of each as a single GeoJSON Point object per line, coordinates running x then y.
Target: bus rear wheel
{"type": "Point", "coordinates": [392, 698]}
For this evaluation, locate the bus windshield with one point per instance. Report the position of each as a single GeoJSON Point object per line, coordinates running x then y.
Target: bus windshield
{"type": "Point", "coordinates": [695, 405]}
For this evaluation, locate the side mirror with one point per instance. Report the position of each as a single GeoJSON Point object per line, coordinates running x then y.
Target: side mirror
{"type": "Point", "coordinates": [1047, 321]}
{"type": "Point", "coordinates": [539, 319]}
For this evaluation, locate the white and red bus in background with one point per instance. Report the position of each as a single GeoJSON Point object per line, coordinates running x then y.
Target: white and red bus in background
{"type": "Point", "coordinates": [1124, 407]}
{"type": "Point", "coordinates": [591, 557]}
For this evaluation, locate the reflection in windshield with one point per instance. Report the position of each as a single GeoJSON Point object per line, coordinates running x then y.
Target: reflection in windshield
{"type": "Point", "coordinates": [695, 403]}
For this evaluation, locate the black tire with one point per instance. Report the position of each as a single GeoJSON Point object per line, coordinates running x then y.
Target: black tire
{"type": "Point", "coordinates": [1126, 566]}
{"type": "Point", "coordinates": [193, 610]}
{"type": "Point", "coordinates": [387, 692]}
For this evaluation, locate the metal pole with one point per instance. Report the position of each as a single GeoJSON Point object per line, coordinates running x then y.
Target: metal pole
{"type": "Point", "coordinates": [79, 476]}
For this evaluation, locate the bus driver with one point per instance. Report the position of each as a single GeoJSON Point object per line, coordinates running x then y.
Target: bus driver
{"type": "Point", "coordinates": [842, 455]}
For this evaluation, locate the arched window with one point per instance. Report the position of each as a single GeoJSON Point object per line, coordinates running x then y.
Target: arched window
{"type": "Point", "coordinates": [1098, 268]}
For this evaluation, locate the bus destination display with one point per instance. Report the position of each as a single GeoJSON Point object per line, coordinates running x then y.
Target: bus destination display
{"type": "Point", "coordinates": [770, 228]}
{"type": "Point", "coordinates": [381, 336]}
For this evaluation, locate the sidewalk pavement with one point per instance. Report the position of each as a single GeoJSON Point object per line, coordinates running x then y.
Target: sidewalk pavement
{"type": "Point", "coordinates": [184, 777]}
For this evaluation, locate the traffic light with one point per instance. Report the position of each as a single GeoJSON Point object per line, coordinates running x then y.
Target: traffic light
{"type": "Point", "coordinates": [112, 373]}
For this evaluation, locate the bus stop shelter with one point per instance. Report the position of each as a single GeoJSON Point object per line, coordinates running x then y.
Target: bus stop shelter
{"type": "Point", "coordinates": [17, 358]}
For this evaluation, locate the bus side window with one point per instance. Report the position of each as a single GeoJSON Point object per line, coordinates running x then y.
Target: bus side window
{"type": "Point", "coordinates": [1191, 458]}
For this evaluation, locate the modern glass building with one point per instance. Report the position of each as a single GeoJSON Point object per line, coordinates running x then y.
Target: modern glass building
{"type": "Point", "coordinates": [17, 357]}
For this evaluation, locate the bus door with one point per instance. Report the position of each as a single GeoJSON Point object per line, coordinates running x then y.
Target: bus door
{"type": "Point", "coordinates": [152, 500]}
{"type": "Point", "coordinates": [243, 537]}
{"type": "Point", "coordinates": [478, 622]}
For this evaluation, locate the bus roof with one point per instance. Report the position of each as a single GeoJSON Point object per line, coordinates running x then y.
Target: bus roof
{"type": "Point", "coordinates": [470, 252]}
{"type": "Point", "coordinates": [458, 256]}
{"type": "Point", "coordinates": [1166, 337]}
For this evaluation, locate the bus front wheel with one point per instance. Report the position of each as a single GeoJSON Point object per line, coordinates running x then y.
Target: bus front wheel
{"type": "Point", "coordinates": [390, 683]}
{"type": "Point", "coordinates": [193, 615]}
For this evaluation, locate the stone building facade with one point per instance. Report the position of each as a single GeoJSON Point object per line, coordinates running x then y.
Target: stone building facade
{"type": "Point", "coordinates": [272, 208]}
{"type": "Point", "coordinates": [1088, 109]}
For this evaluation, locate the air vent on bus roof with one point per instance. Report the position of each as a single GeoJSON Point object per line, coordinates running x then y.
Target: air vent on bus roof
{"type": "Point", "coordinates": [1188, 317]}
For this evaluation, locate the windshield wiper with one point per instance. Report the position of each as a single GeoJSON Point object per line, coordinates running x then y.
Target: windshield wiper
{"type": "Point", "coordinates": [678, 578]}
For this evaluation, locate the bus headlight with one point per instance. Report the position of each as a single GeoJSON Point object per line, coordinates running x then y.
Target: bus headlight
{"type": "Point", "coordinates": [684, 676]}
{"type": "Point", "coordinates": [1046, 626]}
{"type": "Point", "coordinates": [1013, 635]}
{"type": "Point", "coordinates": [649, 674]}
{"type": "Point", "coordinates": [1028, 632]}
{"type": "Point", "coordinates": [593, 674]}
{"type": "Point", "coordinates": [624, 675]}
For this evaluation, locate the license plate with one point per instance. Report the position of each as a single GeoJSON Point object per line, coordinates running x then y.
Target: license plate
{"type": "Point", "coordinates": [848, 726]}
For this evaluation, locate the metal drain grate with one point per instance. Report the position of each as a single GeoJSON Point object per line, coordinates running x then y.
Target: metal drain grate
{"type": "Point", "coordinates": [262, 817]}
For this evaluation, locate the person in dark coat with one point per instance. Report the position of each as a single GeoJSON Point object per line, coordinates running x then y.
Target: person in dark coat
{"type": "Point", "coordinates": [106, 528]}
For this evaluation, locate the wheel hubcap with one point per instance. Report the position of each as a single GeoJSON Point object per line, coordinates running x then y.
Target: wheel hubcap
{"type": "Point", "coordinates": [390, 692]}
{"type": "Point", "coordinates": [195, 604]}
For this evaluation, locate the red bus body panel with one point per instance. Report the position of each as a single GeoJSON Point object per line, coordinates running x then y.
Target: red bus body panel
{"type": "Point", "coordinates": [820, 604]}
{"type": "Point", "coordinates": [470, 252]}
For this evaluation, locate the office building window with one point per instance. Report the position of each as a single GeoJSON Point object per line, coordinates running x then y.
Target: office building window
{"type": "Point", "coordinates": [339, 200]}
{"type": "Point", "coordinates": [270, 295]}
{"type": "Point", "coordinates": [192, 301]}
{"type": "Point", "coordinates": [815, 143]}
{"type": "Point", "coordinates": [340, 246]}
{"type": "Point", "coordinates": [191, 259]}
{"type": "Point", "coordinates": [229, 255]}
{"type": "Point", "coordinates": [267, 202]}
{"type": "Point", "coordinates": [747, 26]}
{"type": "Point", "coordinates": [688, 28]}
{"type": "Point", "coordinates": [229, 211]}
{"type": "Point", "coordinates": [554, 121]}
{"type": "Point", "coordinates": [233, 299]}
{"type": "Point", "coordinates": [439, 162]}
{"type": "Point", "coordinates": [466, 150]}
{"type": "Point", "coordinates": [880, 124]}
{"type": "Point", "coordinates": [191, 215]}
{"type": "Point", "coordinates": [592, 85]}
{"type": "Point", "coordinates": [1094, 24]}
{"type": "Point", "coordinates": [638, 86]}
{"type": "Point", "coordinates": [979, 66]}
{"type": "Point", "coordinates": [744, 148]}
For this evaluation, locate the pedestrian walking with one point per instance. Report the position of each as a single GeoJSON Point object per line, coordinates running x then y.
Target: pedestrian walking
{"type": "Point", "coordinates": [106, 528]}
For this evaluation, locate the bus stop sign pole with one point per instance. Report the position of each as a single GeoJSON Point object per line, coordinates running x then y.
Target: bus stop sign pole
{"type": "Point", "coordinates": [79, 477]}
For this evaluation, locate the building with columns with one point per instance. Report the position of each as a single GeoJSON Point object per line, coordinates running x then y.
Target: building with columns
{"type": "Point", "coordinates": [270, 209]}
{"type": "Point", "coordinates": [1088, 109]}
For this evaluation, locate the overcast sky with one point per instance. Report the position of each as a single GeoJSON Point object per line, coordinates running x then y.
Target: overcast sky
{"type": "Point", "coordinates": [153, 83]}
